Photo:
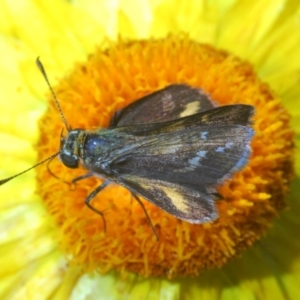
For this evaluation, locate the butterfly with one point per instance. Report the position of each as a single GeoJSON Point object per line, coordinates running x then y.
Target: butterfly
{"type": "Point", "coordinates": [173, 147]}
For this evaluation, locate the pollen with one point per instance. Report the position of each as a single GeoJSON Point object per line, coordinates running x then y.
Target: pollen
{"type": "Point", "coordinates": [117, 74]}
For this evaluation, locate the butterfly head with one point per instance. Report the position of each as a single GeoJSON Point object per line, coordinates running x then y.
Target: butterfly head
{"type": "Point", "coordinates": [69, 148]}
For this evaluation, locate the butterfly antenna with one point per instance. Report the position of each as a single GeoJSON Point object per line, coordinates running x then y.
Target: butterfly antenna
{"type": "Point", "coordinates": [41, 68]}
{"type": "Point", "coordinates": [41, 162]}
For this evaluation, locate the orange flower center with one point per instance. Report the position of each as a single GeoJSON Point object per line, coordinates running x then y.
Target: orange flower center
{"type": "Point", "coordinates": [112, 79]}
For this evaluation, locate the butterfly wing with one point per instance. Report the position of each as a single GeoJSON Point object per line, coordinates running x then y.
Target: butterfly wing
{"type": "Point", "coordinates": [190, 157]}
{"type": "Point", "coordinates": [184, 202]}
{"type": "Point", "coordinates": [173, 102]}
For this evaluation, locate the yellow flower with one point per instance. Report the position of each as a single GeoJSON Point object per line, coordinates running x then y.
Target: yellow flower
{"type": "Point", "coordinates": [265, 34]}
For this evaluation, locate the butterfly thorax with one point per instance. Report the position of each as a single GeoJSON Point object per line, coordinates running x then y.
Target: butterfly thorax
{"type": "Point", "coordinates": [99, 148]}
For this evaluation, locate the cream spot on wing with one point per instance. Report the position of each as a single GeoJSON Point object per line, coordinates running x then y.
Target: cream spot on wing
{"type": "Point", "coordinates": [167, 102]}
{"type": "Point", "coordinates": [194, 161]}
{"type": "Point", "coordinates": [220, 149]}
{"type": "Point", "coordinates": [176, 198]}
{"type": "Point", "coordinates": [228, 145]}
{"type": "Point", "coordinates": [204, 135]}
{"type": "Point", "coordinates": [190, 109]}
{"type": "Point", "coordinates": [201, 153]}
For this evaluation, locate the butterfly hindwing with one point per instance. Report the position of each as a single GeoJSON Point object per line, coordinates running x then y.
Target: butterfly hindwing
{"type": "Point", "coordinates": [191, 205]}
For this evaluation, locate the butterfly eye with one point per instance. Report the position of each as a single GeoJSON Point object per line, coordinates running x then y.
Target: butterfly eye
{"type": "Point", "coordinates": [69, 161]}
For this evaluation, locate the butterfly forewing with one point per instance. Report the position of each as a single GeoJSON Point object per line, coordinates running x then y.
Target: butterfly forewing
{"type": "Point", "coordinates": [173, 102]}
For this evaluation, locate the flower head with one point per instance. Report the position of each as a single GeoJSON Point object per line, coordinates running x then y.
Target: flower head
{"type": "Point", "coordinates": [111, 79]}
{"type": "Point", "coordinates": [97, 89]}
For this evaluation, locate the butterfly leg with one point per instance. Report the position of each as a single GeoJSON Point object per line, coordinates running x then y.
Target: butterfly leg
{"type": "Point", "coordinates": [49, 170]}
{"type": "Point", "coordinates": [84, 176]}
{"type": "Point", "coordinates": [52, 174]}
{"type": "Point", "coordinates": [136, 197]}
{"type": "Point", "coordinates": [131, 201]}
{"type": "Point", "coordinates": [92, 195]}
